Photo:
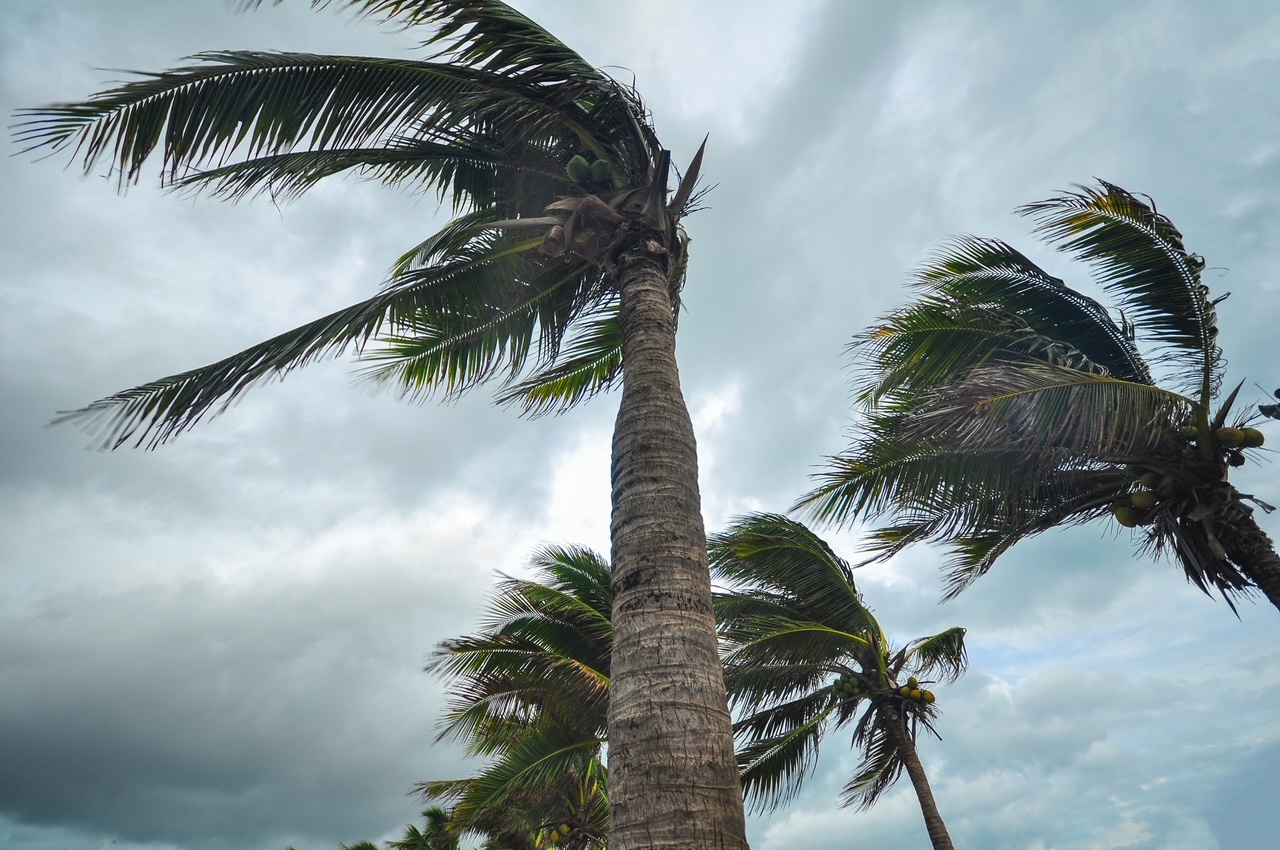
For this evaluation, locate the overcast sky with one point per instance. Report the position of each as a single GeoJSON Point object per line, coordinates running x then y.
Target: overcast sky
{"type": "Point", "coordinates": [219, 644]}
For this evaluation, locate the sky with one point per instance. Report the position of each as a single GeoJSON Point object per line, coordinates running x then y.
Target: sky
{"type": "Point", "coordinates": [220, 644]}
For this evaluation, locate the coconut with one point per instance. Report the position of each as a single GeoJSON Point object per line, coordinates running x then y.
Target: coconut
{"type": "Point", "coordinates": [1143, 499]}
{"type": "Point", "coordinates": [1151, 480]}
{"type": "Point", "coordinates": [913, 682]}
{"type": "Point", "coordinates": [1229, 437]}
{"type": "Point", "coordinates": [1127, 515]}
{"type": "Point", "coordinates": [917, 694]}
{"type": "Point", "coordinates": [929, 697]}
{"type": "Point", "coordinates": [1253, 438]}
{"type": "Point", "coordinates": [1188, 432]}
{"type": "Point", "coordinates": [905, 691]}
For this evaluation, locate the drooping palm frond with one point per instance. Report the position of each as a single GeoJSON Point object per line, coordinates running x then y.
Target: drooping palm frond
{"type": "Point", "coordinates": [779, 749]}
{"type": "Point", "coordinates": [1140, 259]}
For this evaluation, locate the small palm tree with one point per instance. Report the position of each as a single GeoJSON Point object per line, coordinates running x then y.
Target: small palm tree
{"type": "Point", "coordinates": [531, 693]}
{"type": "Point", "coordinates": [1002, 403]}
{"type": "Point", "coordinates": [558, 278]}
{"type": "Point", "coordinates": [805, 656]}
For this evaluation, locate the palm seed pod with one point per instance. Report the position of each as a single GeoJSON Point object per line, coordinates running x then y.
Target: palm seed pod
{"type": "Point", "coordinates": [578, 169]}
{"type": "Point", "coordinates": [1229, 437]}
{"type": "Point", "coordinates": [1127, 515]}
{"type": "Point", "coordinates": [1151, 480]}
{"type": "Point", "coordinates": [1143, 499]}
{"type": "Point", "coordinates": [1253, 438]}
{"type": "Point", "coordinates": [929, 697]}
{"type": "Point", "coordinates": [1188, 432]}
{"type": "Point", "coordinates": [601, 172]}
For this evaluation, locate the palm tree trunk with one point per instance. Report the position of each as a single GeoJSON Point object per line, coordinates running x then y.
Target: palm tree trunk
{"type": "Point", "coordinates": [911, 761]}
{"type": "Point", "coordinates": [673, 777]}
{"type": "Point", "coordinates": [1249, 547]}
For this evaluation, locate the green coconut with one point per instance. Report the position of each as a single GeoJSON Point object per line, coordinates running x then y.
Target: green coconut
{"type": "Point", "coordinates": [1188, 432]}
{"type": "Point", "coordinates": [578, 169]}
{"type": "Point", "coordinates": [1229, 437]}
{"type": "Point", "coordinates": [1127, 515]}
{"type": "Point", "coordinates": [1151, 480]}
{"type": "Point", "coordinates": [601, 172]}
{"type": "Point", "coordinates": [1253, 438]}
{"type": "Point", "coordinates": [1143, 500]}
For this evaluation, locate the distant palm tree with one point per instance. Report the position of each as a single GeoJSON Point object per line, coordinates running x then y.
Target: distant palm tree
{"type": "Point", "coordinates": [531, 693]}
{"type": "Point", "coordinates": [805, 656]}
{"type": "Point", "coordinates": [560, 277]}
{"type": "Point", "coordinates": [436, 833]}
{"type": "Point", "coordinates": [1002, 403]}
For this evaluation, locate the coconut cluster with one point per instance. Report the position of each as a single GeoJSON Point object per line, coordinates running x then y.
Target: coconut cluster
{"type": "Point", "coordinates": [912, 691]}
{"type": "Point", "coordinates": [598, 176]}
{"type": "Point", "coordinates": [554, 836]}
{"type": "Point", "coordinates": [1155, 486]}
{"type": "Point", "coordinates": [849, 686]}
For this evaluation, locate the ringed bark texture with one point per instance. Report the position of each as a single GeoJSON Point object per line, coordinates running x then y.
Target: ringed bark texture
{"type": "Point", "coordinates": [938, 834]}
{"type": "Point", "coordinates": [673, 777]}
{"type": "Point", "coordinates": [1249, 547]}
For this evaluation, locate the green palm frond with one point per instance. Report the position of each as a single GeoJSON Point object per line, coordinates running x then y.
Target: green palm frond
{"type": "Point", "coordinates": [774, 554]}
{"type": "Point", "coordinates": [942, 655]}
{"type": "Point", "coordinates": [880, 766]}
{"type": "Point", "coordinates": [778, 755]}
{"type": "Point", "coordinates": [1001, 403]}
{"type": "Point", "coordinates": [1140, 259]}
{"type": "Point", "coordinates": [542, 657]}
{"type": "Point", "coordinates": [1045, 407]}
{"type": "Point", "coordinates": [589, 364]}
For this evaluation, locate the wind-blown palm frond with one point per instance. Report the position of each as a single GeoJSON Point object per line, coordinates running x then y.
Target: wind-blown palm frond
{"type": "Point", "coordinates": [1140, 259]}
{"type": "Point", "coordinates": [1002, 403]}
{"type": "Point", "coordinates": [804, 656]}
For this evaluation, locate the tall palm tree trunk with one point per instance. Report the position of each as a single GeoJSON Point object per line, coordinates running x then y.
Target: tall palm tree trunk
{"type": "Point", "coordinates": [938, 834]}
{"type": "Point", "coordinates": [673, 778]}
{"type": "Point", "coordinates": [1249, 547]}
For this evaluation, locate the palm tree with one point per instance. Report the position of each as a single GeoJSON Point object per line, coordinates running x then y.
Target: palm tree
{"type": "Point", "coordinates": [792, 621]}
{"type": "Point", "coordinates": [1002, 403]}
{"type": "Point", "coordinates": [559, 277]}
{"type": "Point", "coordinates": [531, 692]}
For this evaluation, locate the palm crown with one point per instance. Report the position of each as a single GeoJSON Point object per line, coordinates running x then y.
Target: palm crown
{"type": "Point", "coordinates": [804, 655]}
{"type": "Point", "coordinates": [490, 121]}
{"type": "Point", "coordinates": [1002, 403]}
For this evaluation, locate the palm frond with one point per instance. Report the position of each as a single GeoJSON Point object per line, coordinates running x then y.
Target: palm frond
{"type": "Point", "coordinates": [774, 554]}
{"type": "Point", "coordinates": [988, 274]}
{"type": "Point", "coordinates": [881, 762]}
{"type": "Point", "coordinates": [1140, 258]}
{"type": "Point", "coordinates": [942, 655]}
{"type": "Point", "coordinates": [778, 754]}
{"type": "Point", "coordinates": [1041, 407]}
{"type": "Point", "coordinates": [589, 364]}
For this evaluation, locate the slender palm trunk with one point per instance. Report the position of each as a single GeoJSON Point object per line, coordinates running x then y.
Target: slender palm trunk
{"type": "Point", "coordinates": [1249, 548]}
{"type": "Point", "coordinates": [911, 761]}
{"type": "Point", "coordinates": [673, 778]}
